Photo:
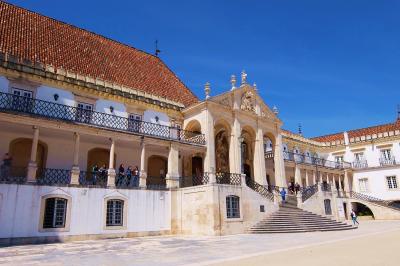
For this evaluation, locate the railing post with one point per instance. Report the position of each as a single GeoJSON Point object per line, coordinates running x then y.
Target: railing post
{"type": "Point", "coordinates": [32, 166]}
{"type": "Point", "coordinates": [243, 179]}
{"type": "Point", "coordinates": [172, 177]}
{"type": "Point", "coordinates": [75, 167]}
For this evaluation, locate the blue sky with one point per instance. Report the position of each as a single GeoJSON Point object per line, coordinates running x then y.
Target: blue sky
{"type": "Point", "coordinates": [329, 65]}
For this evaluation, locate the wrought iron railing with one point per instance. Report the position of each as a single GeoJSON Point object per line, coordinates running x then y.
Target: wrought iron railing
{"type": "Point", "coordinates": [308, 192]}
{"type": "Point", "coordinates": [360, 164]}
{"type": "Point", "coordinates": [269, 155]}
{"type": "Point", "coordinates": [304, 159]}
{"type": "Point", "coordinates": [12, 174]}
{"type": "Point", "coordinates": [126, 181]}
{"type": "Point", "coordinates": [260, 189]}
{"type": "Point", "coordinates": [156, 186]}
{"type": "Point", "coordinates": [381, 202]}
{"type": "Point", "coordinates": [93, 178]}
{"type": "Point", "coordinates": [53, 177]}
{"type": "Point", "coordinates": [326, 187]}
{"type": "Point", "coordinates": [197, 180]}
{"type": "Point", "coordinates": [228, 178]}
{"type": "Point", "coordinates": [387, 161]}
{"type": "Point", "coordinates": [39, 108]}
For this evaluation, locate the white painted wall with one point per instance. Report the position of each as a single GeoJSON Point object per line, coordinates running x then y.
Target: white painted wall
{"type": "Point", "coordinates": [147, 210]}
{"type": "Point", "coordinates": [150, 116]}
{"type": "Point", "coordinates": [103, 106]}
{"type": "Point", "coordinates": [4, 84]}
{"type": "Point", "coordinates": [47, 94]}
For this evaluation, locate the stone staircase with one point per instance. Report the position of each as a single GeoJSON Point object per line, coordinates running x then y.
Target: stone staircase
{"type": "Point", "coordinates": [290, 219]}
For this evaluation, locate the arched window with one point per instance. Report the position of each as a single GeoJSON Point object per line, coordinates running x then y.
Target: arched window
{"type": "Point", "coordinates": [232, 206]}
{"type": "Point", "coordinates": [327, 204]}
{"type": "Point", "coordinates": [55, 212]}
{"type": "Point", "coordinates": [115, 212]}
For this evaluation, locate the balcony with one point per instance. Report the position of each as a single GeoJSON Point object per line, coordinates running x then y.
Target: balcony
{"type": "Point", "coordinates": [387, 161]}
{"type": "Point", "coordinates": [360, 164]}
{"type": "Point", "coordinates": [303, 159]}
{"type": "Point", "coordinates": [10, 103]}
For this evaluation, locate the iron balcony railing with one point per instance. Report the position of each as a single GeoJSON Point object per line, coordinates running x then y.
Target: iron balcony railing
{"type": "Point", "coordinates": [387, 161]}
{"type": "Point", "coordinates": [381, 202]}
{"type": "Point", "coordinates": [93, 178]}
{"type": "Point", "coordinates": [12, 174]}
{"type": "Point", "coordinates": [53, 177]}
{"type": "Point", "coordinates": [260, 189]}
{"type": "Point", "coordinates": [326, 187]}
{"type": "Point", "coordinates": [308, 192]}
{"type": "Point", "coordinates": [304, 159]}
{"type": "Point", "coordinates": [18, 104]}
{"type": "Point", "coordinates": [228, 178]}
{"type": "Point", "coordinates": [196, 180]}
{"type": "Point", "coordinates": [360, 164]}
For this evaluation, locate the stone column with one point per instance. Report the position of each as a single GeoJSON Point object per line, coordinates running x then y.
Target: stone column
{"type": "Point", "coordinates": [209, 160]}
{"type": "Point", "coordinates": [143, 165]}
{"type": "Point", "coordinates": [297, 175]}
{"type": "Point", "coordinates": [111, 167]}
{"type": "Point", "coordinates": [307, 181]}
{"type": "Point", "coordinates": [280, 175]}
{"type": "Point", "coordinates": [75, 166]}
{"type": "Point", "coordinates": [172, 177]}
{"type": "Point", "coordinates": [32, 166]}
{"type": "Point", "coordinates": [235, 155]}
{"type": "Point", "coordinates": [314, 177]}
{"type": "Point", "coordinates": [346, 182]}
{"type": "Point", "coordinates": [340, 186]}
{"type": "Point", "coordinates": [259, 159]}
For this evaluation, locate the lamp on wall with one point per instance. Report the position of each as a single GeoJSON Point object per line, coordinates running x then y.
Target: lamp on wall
{"type": "Point", "coordinates": [56, 96]}
{"type": "Point", "coordinates": [157, 119]}
{"type": "Point", "coordinates": [111, 109]}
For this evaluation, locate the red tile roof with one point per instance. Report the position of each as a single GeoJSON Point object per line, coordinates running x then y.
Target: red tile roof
{"type": "Point", "coordinates": [360, 132]}
{"type": "Point", "coordinates": [28, 35]}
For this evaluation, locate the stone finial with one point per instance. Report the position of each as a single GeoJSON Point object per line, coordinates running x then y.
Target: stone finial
{"type": "Point", "coordinates": [244, 77]}
{"type": "Point", "coordinates": [255, 86]}
{"type": "Point", "coordinates": [207, 90]}
{"type": "Point", "coordinates": [275, 110]}
{"type": "Point", "coordinates": [233, 82]}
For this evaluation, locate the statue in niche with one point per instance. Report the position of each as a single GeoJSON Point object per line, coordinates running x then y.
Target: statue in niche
{"type": "Point", "coordinates": [247, 102]}
{"type": "Point", "coordinates": [221, 152]}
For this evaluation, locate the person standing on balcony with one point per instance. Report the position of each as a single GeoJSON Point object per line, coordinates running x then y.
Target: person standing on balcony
{"type": "Point", "coordinates": [354, 217]}
{"type": "Point", "coordinates": [296, 188]}
{"type": "Point", "coordinates": [121, 174]}
{"type": "Point", "coordinates": [103, 173]}
{"type": "Point", "coordinates": [95, 171]}
{"type": "Point", "coordinates": [128, 173]}
{"type": "Point", "coordinates": [283, 195]}
{"type": "Point", "coordinates": [6, 166]}
{"type": "Point", "coordinates": [136, 173]}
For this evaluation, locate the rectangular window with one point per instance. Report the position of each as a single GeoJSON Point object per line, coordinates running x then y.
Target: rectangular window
{"type": "Point", "coordinates": [386, 154]}
{"type": "Point", "coordinates": [21, 92]}
{"type": "Point", "coordinates": [135, 123]}
{"type": "Point", "coordinates": [363, 184]}
{"type": "Point", "coordinates": [55, 211]}
{"type": "Point", "coordinates": [115, 210]}
{"type": "Point", "coordinates": [392, 182]}
{"type": "Point", "coordinates": [84, 112]}
{"type": "Point", "coordinates": [232, 207]}
{"type": "Point", "coordinates": [358, 157]}
{"type": "Point", "coordinates": [339, 159]}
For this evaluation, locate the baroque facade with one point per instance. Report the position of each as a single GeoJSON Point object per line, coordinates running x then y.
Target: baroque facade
{"type": "Point", "coordinates": [79, 113]}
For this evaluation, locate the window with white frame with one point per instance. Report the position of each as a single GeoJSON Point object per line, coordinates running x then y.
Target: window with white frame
{"type": "Point", "coordinates": [386, 154]}
{"type": "Point", "coordinates": [55, 211]}
{"type": "Point", "coordinates": [391, 182]}
{"type": "Point", "coordinates": [359, 156]}
{"type": "Point", "coordinates": [135, 117]}
{"type": "Point", "coordinates": [232, 206]}
{"type": "Point", "coordinates": [21, 92]}
{"type": "Point", "coordinates": [339, 159]}
{"type": "Point", "coordinates": [363, 184]}
{"type": "Point", "coordinates": [115, 210]}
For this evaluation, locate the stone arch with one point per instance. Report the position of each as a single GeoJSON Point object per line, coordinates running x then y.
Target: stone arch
{"type": "Point", "coordinates": [157, 167]}
{"type": "Point", "coordinates": [100, 157]}
{"type": "Point", "coordinates": [194, 126]}
{"type": "Point", "coordinates": [362, 209]}
{"type": "Point", "coordinates": [20, 151]}
{"type": "Point", "coordinates": [222, 132]}
{"type": "Point", "coordinates": [247, 151]}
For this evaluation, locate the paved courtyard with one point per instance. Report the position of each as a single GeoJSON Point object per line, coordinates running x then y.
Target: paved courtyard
{"type": "Point", "coordinates": [189, 250]}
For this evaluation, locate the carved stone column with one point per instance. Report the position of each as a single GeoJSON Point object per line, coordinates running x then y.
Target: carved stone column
{"type": "Point", "coordinates": [259, 159]}
{"type": "Point", "coordinates": [111, 167]}
{"type": "Point", "coordinates": [172, 177]}
{"type": "Point", "coordinates": [235, 157]}
{"type": "Point", "coordinates": [209, 160]}
{"type": "Point", "coordinates": [75, 167]}
{"type": "Point", "coordinates": [280, 175]}
{"type": "Point", "coordinates": [143, 165]}
{"type": "Point", "coordinates": [32, 166]}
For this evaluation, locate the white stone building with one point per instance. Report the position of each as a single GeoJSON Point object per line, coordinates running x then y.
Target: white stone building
{"type": "Point", "coordinates": [77, 110]}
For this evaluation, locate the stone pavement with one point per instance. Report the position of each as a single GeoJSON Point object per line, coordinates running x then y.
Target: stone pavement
{"type": "Point", "coordinates": [177, 250]}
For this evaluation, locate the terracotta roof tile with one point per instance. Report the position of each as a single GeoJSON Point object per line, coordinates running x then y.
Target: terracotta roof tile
{"type": "Point", "coordinates": [31, 36]}
{"type": "Point", "coordinates": [330, 137]}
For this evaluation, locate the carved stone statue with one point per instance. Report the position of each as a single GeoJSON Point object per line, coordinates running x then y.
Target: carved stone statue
{"type": "Point", "coordinates": [247, 102]}
{"type": "Point", "coordinates": [221, 152]}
